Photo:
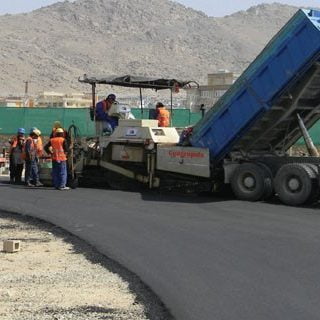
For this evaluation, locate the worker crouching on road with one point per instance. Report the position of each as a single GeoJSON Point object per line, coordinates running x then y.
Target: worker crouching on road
{"type": "Point", "coordinates": [16, 158]}
{"type": "Point", "coordinates": [162, 115]}
{"type": "Point", "coordinates": [58, 148]}
{"type": "Point", "coordinates": [32, 152]}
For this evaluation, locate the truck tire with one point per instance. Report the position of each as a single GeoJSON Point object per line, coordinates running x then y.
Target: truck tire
{"type": "Point", "coordinates": [294, 183]}
{"type": "Point", "coordinates": [250, 182]}
{"type": "Point", "coordinates": [314, 197]}
{"type": "Point", "coordinates": [313, 167]}
{"type": "Point", "coordinates": [269, 191]}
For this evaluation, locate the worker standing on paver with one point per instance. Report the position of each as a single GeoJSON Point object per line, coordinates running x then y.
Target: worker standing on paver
{"type": "Point", "coordinates": [31, 152]}
{"type": "Point", "coordinates": [58, 148]}
{"type": "Point", "coordinates": [162, 115]}
{"type": "Point", "coordinates": [15, 156]}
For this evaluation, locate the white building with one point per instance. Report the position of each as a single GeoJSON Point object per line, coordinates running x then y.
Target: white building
{"type": "Point", "coordinates": [17, 102]}
{"type": "Point", "coordinates": [208, 95]}
{"type": "Point", "coordinates": [56, 99]}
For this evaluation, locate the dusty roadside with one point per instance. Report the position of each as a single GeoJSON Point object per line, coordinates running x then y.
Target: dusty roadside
{"type": "Point", "coordinates": [57, 276]}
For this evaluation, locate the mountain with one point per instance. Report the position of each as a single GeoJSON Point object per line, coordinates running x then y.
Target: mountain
{"type": "Point", "coordinates": [54, 45]}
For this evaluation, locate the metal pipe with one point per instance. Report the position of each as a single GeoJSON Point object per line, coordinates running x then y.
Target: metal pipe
{"type": "Point", "coordinates": [202, 109]}
{"type": "Point", "coordinates": [141, 103]}
{"type": "Point", "coordinates": [307, 138]}
{"type": "Point", "coordinates": [149, 170]}
{"type": "Point", "coordinates": [93, 101]}
{"type": "Point", "coordinates": [171, 108]}
{"type": "Point", "coordinates": [153, 165]}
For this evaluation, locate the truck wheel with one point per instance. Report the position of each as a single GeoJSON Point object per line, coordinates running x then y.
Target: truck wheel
{"type": "Point", "coordinates": [294, 183]}
{"type": "Point", "coordinates": [249, 182]}
{"type": "Point", "coordinates": [314, 197]}
{"type": "Point", "coordinates": [268, 179]}
{"type": "Point", "coordinates": [313, 167]}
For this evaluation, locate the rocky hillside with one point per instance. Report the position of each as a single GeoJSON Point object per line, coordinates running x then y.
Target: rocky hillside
{"type": "Point", "coordinates": [53, 46]}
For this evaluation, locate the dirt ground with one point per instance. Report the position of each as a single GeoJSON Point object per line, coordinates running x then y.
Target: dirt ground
{"type": "Point", "coordinates": [57, 276]}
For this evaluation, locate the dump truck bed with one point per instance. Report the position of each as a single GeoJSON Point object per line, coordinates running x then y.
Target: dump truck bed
{"type": "Point", "coordinates": [258, 113]}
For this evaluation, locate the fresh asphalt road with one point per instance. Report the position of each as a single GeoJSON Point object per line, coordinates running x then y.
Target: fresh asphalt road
{"type": "Point", "coordinates": [205, 258]}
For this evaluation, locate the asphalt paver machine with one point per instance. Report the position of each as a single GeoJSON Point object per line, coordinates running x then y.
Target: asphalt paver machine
{"type": "Point", "coordinates": [243, 141]}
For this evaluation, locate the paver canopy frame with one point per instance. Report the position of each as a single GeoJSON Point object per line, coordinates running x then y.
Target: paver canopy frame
{"type": "Point", "coordinates": [140, 82]}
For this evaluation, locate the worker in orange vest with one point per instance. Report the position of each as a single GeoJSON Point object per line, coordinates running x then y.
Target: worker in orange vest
{"type": "Point", "coordinates": [162, 115]}
{"type": "Point", "coordinates": [31, 152]}
{"type": "Point", "coordinates": [39, 142]}
{"type": "Point", "coordinates": [57, 125]}
{"type": "Point", "coordinates": [58, 148]}
{"type": "Point", "coordinates": [15, 156]}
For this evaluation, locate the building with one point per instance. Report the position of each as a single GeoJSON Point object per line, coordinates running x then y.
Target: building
{"type": "Point", "coordinates": [52, 99]}
{"type": "Point", "coordinates": [208, 95]}
{"type": "Point", "coordinates": [77, 100]}
{"type": "Point", "coordinates": [17, 102]}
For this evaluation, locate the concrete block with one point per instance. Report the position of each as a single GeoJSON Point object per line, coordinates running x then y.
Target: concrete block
{"type": "Point", "coordinates": [11, 246]}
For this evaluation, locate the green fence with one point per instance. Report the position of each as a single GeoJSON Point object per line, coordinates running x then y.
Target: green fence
{"type": "Point", "coordinates": [180, 117]}
{"type": "Point", "coordinates": [314, 133]}
{"type": "Point", "coordinates": [43, 118]}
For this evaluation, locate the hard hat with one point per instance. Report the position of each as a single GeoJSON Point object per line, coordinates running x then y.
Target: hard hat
{"type": "Point", "coordinates": [111, 97]}
{"type": "Point", "coordinates": [57, 124]}
{"type": "Point", "coordinates": [37, 132]}
{"type": "Point", "coordinates": [21, 131]}
{"type": "Point", "coordinates": [59, 130]}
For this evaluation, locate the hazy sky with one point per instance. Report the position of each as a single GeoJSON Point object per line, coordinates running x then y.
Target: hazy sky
{"type": "Point", "coordinates": [211, 7]}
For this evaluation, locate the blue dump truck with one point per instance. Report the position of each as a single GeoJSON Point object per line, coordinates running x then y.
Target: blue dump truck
{"type": "Point", "coordinates": [243, 141]}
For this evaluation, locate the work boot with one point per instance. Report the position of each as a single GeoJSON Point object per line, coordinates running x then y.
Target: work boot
{"type": "Point", "coordinates": [64, 188]}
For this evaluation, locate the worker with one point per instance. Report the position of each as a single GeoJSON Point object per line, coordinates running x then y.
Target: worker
{"type": "Point", "coordinates": [39, 142]}
{"type": "Point", "coordinates": [58, 148]}
{"type": "Point", "coordinates": [104, 123]}
{"type": "Point", "coordinates": [15, 156]}
{"type": "Point", "coordinates": [56, 125]}
{"type": "Point", "coordinates": [31, 153]}
{"type": "Point", "coordinates": [162, 115]}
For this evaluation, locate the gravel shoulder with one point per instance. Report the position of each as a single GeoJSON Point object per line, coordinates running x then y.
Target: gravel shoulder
{"type": "Point", "coordinates": [58, 276]}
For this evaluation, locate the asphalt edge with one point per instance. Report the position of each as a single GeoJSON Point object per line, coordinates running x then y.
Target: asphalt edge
{"type": "Point", "coordinates": [144, 294]}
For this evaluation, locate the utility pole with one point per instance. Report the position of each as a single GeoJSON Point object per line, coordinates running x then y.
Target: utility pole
{"type": "Point", "coordinates": [26, 88]}
{"type": "Point", "coordinates": [26, 94]}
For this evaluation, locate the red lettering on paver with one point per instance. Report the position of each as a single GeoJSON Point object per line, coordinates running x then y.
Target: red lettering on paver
{"type": "Point", "coordinates": [186, 154]}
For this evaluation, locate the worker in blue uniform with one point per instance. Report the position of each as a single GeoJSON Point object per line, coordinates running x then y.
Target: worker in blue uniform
{"type": "Point", "coordinates": [104, 123]}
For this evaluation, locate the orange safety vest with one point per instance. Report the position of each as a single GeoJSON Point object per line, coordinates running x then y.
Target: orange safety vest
{"type": "Point", "coordinates": [39, 147]}
{"type": "Point", "coordinates": [163, 117]}
{"type": "Point", "coordinates": [58, 153]}
{"type": "Point", "coordinates": [33, 148]}
{"type": "Point", "coordinates": [13, 144]}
